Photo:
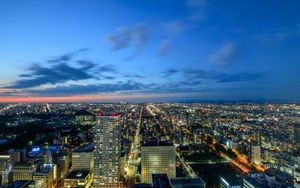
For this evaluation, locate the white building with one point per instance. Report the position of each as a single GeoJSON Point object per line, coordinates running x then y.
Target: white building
{"type": "Point", "coordinates": [158, 157]}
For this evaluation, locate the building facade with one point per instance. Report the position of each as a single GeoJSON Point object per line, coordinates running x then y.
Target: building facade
{"type": "Point", "coordinates": [256, 154]}
{"type": "Point", "coordinates": [107, 150]}
{"type": "Point", "coordinates": [6, 162]}
{"type": "Point", "coordinates": [158, 157]}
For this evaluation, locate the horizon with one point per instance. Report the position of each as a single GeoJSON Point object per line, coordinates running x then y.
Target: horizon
{"type": "Point", "coordinates": [149, 51]}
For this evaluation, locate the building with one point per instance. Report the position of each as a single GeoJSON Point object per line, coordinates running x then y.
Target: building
{"type": "Point", "coordinates": [187, 182]}
{"type": "Point", "coordinates": [229, 182]}
{"type": "Point", "coordinates": [62, 165]}
{"type": "Point", "coordinates": [23, 184]}
{"type": "Point", "coordinates": [161, 180]}
{"type": "Point", "coordinates": [256, 154]}
{"type": "Point", "coordinates": [78, 179]}
{"type": "Point", "coordinates": [83, 158]}
{"type": "Point", "coordinates": [6, 162]}
{"type": "Point", "coordinates": [45, 177]}
{"type": "Point", "coordinates": [84, 116]}
{"type": "Point", "coordinates": [158, 157]}
{"type": "Point", "coordinates": [107, 150]}
{"type": "Point", "coordinates": [23, 171]}
{"type": "Point", "coordinates": [297, 134]}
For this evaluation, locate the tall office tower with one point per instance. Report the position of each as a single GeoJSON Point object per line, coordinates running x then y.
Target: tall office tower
{"type": "Point", "coordinates": [158, 157]}
{"type": "Point", "coordinates": [107, 150]}
{"type": "Point", "coordinates": [6, 162]}
{"type": "Point", "coordinates": [256, 154]}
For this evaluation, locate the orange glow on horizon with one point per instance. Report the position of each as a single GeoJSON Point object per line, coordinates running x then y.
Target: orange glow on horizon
{"type": "Point", "coordinates": [87, 98]}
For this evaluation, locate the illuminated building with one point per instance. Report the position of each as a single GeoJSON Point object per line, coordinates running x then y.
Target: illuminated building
{"type": "Point", "coordinates": [84, 116]}
{"type": "Point", "coordinates": [46, 176]}
{"type": "Point", "coordinates": [229, 182]}
{"type": "Point", "coordinates": [6, 162]}
{"type": "Point", "coordinates": [62, 165]}
{"type": "Point", "coordinates": [158, 157]}
{"type": "Point", "coordinates": [23, 171]}
{"type": "Point", "coordinates": [107, 148]}
{"type": "Point", "coordinates": [256, 154]}
{"type": "Point", "coordinates": [82, 158]}
{"type": "Point", "coordinates": [78, 178]}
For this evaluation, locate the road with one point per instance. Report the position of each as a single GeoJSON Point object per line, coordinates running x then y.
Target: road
{"type": "Point", "coordinates": [132, 164]}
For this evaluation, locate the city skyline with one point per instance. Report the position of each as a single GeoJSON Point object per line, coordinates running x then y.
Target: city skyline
{"type": "Point", "coordinates": [136, 51]}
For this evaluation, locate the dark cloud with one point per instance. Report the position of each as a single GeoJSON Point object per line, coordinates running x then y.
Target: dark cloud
{"type": "Point", "coordinates": [225, 55]}
{"type": "Point", "coordinates": [120, 39]}
{"type": "Point", "coordinates": [164, 47]}
{"type": "Point", "coordinates": [109, 77]}
{"type": "Point", "coordinates": [68, 56]}
{"type": "Point", "coordinates": [125, 36]}
{"type": "Point", "coordinates": [220, 77]}
{"type": "Point", "coordinates": [170, 72]}
{"type": "Point", "coordinates": [108, 68]}
{"type": "Point", "coordinates": [58, 73]}
{"type": "Point", "coordinates": [133, 76]}
{"type": "Point", "coordinates": [62, 58]}
{"type": "Point", "coordinates": [87, 64]}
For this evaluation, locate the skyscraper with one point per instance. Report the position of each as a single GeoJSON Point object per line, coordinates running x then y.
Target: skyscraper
{"type": "Point", "coordinates": [107, 148]}
{"type": "Point", "coordinates": [158, 157]}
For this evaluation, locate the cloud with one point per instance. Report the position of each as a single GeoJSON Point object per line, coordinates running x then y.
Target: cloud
{"type": "Point", "coordinates": [276, 35]}
{"type": "Point", "coordinates": [58, 73]}
{"type": "Point", "coordinates": [175, 27]}
{"type": "Point", "coordinates": [120, 39]}
{"type": "Point", "coordinates": [90, 89]}
{"type": "Point", "coordinates": [133, 76]}
{"type": "Point", "coordinates": [87, 64]}
{"type": "Point", "coordinates": [108, 68]}
{"type": "Point", "coordinates": [164, 47]}
{"type": "Point", "coordinates": [125, 37]}
{"type": "Point", "coordinates": [196, 9]}
{"type": "Point", "coordinates": [62, 58]}
{"type": "Point", "coordinates": [200, 74]}
{"type": "Point", "coordinates": [224, 55]}
{"type": "Point", "coordinates": [169, 72]}
{"type": "Point", "coordinates": [68, 56]}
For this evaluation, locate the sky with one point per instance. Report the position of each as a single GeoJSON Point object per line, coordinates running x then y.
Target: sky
{"type": "Point", "coordinates": [149, 50]}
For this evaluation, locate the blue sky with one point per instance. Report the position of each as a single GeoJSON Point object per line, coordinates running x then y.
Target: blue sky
{"type": "Point", "coordinates": [171, 49]}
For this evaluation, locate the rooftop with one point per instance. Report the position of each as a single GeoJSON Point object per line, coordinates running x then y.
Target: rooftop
{"type": "Point", "coordinates": [85, 148]}
{"type": "Point", "coordinates": [157, 143]}
{"type": "Point", "coordinates": [78, 174]}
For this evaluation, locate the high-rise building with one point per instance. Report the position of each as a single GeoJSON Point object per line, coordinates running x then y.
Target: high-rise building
{"type": "Point", "coordinates": [6, 162]}
{"type": "Point", "coordinates": [256, 154]}
{"type": "Point", "coordinates": [158, 157]}
{"type": "Point", "coordinates": [107, 150]}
